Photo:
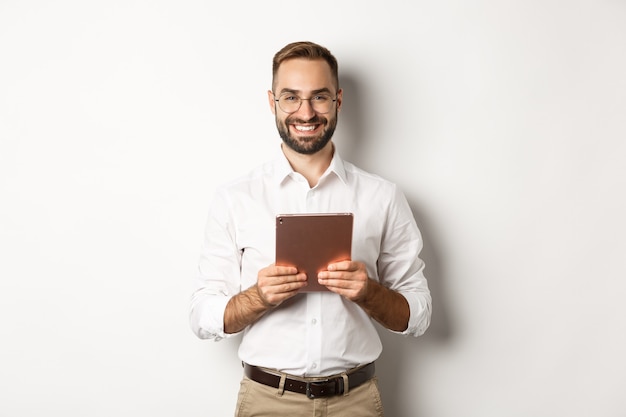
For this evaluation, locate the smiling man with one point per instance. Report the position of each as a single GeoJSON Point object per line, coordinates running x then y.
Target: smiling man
{"type": "Point", "coordinates": [305, 129]}
{"type": "Point", "coordinates": [309, 353]}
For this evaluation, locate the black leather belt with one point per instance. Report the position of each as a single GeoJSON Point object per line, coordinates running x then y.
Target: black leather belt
{"type": "Point", "coordinates": [312, 387]}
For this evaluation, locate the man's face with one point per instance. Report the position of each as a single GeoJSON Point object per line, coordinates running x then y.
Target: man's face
{"type": "Point", "coordinates": [305, 131]}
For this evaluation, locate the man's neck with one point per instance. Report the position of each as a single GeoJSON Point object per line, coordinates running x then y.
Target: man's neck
{"type": "Point", "coordinates": [312, 166]}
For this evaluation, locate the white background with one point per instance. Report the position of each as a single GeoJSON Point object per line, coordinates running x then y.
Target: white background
{"type": "Point", "coordinates": [503, 121]}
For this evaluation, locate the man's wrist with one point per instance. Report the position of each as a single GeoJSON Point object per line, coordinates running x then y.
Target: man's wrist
{"type": "Point", "coordinates": [244, 309]}
{"type": "Point", "coordinates": [266, 304]}
{"type": "Point", "coordinates": [385, 306]}
{"type": "Point", "coordinates": [368, 300]}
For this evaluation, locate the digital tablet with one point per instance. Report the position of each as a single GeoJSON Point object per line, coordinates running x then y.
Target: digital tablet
{"type": "Point", "coordinates": [311, 241]}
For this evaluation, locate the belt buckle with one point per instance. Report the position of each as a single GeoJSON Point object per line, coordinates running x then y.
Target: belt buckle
{"type": "Point", "coordinates": [320, 384]}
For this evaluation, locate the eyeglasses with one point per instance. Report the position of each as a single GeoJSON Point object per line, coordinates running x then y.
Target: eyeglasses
{"type": "Point", "coordinates": [290, 103]}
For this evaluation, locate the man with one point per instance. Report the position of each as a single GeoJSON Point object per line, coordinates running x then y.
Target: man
{"type": "Point", "coordinates": [308, 353]}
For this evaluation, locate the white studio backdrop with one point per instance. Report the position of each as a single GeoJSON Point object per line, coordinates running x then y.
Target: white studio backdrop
{"type": "Point", "coordinates": [502, 121]}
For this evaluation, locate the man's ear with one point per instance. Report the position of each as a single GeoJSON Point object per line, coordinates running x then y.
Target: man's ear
{"type": "Point", "coordinates": [270, 100]}
{"type": "Point", "coordinates": [339, 99]}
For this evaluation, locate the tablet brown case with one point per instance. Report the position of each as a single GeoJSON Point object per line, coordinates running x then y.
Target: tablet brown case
{"type": "Point", "coordinates": [311, 241]}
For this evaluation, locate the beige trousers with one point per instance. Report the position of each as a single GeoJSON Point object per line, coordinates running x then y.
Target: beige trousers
{"type": "Point", "coordinates": [258, 400]}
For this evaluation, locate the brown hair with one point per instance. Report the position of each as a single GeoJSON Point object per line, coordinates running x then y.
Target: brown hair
{"type": "Point", "coordinates": [307, 50]}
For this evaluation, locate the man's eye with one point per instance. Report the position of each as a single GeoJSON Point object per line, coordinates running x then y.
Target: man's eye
{"type": "Point", "coordinates": [320, 98]}
{"type": "Point", "coordinates": [289, 98]}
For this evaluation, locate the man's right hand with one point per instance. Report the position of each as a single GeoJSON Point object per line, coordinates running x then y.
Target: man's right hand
{"type": "Point", "coordinates": [275, 284]}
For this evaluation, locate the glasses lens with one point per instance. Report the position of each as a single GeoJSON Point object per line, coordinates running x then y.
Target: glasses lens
{"type": "Point", "coordinates": [321, 103]}
{"type": "Point", "coordinates": [289, 103]}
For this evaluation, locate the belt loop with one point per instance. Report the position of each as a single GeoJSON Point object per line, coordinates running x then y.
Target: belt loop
{"type": "Point", "coordinates": [346, 384]}
{"type": "Point", "coordinates": [281, 385]}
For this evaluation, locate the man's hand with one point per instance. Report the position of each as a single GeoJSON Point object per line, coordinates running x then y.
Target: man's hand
{"type": "Point", "coordinates": [275, 284]}
{"type": "Point", "coordinates": [346, 278]}
{"type": "Point", "coordinates": [349, 279]}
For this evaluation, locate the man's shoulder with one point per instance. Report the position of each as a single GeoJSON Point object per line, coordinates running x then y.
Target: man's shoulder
{"type": "Point", "coordinates": [367, 177]}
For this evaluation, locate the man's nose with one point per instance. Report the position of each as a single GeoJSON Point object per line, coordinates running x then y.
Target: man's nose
{"type": "Point", "coordinates": [306, 110]}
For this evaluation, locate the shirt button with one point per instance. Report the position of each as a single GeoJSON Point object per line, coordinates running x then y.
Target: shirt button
{"type": "Point", "coordinates": [313, 365]}
{"type": "Point", "coordinates": [314, 321]}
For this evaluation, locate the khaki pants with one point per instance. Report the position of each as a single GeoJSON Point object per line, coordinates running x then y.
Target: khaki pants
{"type": "Point", "coordinates": [258, 400]}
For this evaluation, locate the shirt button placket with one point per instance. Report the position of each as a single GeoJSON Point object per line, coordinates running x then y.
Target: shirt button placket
{"type": "Point", "coordinates": [310, 200]}
{"type": "Point", "coordinates": [314, 332]}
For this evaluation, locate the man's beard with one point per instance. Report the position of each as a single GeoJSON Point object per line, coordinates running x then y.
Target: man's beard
{"type": "Point", "coordinates": [310, 144]}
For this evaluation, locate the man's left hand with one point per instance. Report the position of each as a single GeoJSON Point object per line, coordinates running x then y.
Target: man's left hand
{"type": "Point", "coordinates": [346, 278]}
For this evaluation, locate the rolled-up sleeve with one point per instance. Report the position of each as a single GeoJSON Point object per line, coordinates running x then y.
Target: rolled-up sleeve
{"type": "Point", "coordinates": [218, 276]}
{"type": "Point", "coordinates": [420, 304]}
{"type": "Point", "coordinates": [400, 266]}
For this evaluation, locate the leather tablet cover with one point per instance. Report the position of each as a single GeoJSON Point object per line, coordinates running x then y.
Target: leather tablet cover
{"type": "Point", "coordinates": [311, 241]}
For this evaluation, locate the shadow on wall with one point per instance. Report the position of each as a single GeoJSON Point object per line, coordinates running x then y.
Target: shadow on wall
{"type": "Point", "coordinates": [402, 355]}
{"type": "Point", "coordinates": [352, 126]}
{"type": "Point", "coordinates": [399, 353]}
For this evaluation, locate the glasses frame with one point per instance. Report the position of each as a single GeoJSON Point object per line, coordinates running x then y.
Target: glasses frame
{"type": "Point", "coordinates": [277, 100]}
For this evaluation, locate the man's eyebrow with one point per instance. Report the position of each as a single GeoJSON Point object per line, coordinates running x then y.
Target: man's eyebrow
{"type": "Point", "coordinates": [321, 90]}
{"type": "Point", "coordinates": [288, 90]}
{"type": "Point", "coordinates": [292, 91]}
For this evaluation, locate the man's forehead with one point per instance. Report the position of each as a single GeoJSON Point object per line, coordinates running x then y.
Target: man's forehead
{"type": "Point", "coordinates": [303, 70]}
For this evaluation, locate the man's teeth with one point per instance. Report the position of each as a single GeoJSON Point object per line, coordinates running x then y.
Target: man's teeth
{"type": "Point", "coordinates": [305, 128]}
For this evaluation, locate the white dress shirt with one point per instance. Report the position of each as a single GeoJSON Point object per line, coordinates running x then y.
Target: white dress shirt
{"type": "Point", "coordinates": [317, 333]}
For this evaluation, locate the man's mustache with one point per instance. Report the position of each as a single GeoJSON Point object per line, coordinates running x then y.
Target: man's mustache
{"type": "Point", "coordinates": [314, 120]}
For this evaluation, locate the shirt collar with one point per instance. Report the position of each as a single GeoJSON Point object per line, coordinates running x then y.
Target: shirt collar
{"type": "Point", "coordinates": [282, 168]}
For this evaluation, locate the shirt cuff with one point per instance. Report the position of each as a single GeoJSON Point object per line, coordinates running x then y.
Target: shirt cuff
{"type": "Point", "coordinates": [207, 317]}
{"type": "Point", "coordinates": [420, 306]}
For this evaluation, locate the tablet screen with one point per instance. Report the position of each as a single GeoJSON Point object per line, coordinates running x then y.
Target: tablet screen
{"type": "Point", "coordinates": [311, 241]}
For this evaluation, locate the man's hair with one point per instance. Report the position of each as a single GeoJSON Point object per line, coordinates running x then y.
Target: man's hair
{"type": "Point", "coordinates": [306, 50]}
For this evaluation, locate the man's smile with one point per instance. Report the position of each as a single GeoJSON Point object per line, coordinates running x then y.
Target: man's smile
{"type": "Point", "coordinates": [305, 128]}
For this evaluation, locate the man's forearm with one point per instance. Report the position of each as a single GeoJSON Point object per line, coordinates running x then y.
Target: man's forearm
{"type": "Point", "coordinates": [244, 309]}
{"type": "Point", "coordinates": [386, 306]}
